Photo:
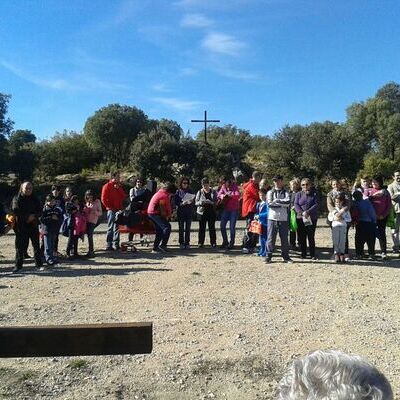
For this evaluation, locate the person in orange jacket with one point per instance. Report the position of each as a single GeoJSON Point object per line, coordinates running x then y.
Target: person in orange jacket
{"type": "Point", "coordinates": [250, 199]}
{"type": "Point", "coordinates": [112, 197]}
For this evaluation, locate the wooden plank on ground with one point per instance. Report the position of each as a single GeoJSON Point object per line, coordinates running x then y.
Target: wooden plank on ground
{"type": "Point", "coordinates": [76, 340]}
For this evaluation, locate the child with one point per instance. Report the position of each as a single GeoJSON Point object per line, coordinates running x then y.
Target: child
{"type": "Point", "coordinates": [262, 217]}
{"type": "Point", "coordinates": [50, 220]}
{"type": "Point", "coordinates": [339, 219]}
{"type": "Point", "coordinates": [93, 212]}
{"type": "Point", "coordinates": [77, 226]}
{"type": "Point", "coordinates": [365, 225]}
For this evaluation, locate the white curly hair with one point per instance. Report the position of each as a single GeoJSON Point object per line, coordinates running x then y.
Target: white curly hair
{"type": "Point", "coordinates": [333, 375]}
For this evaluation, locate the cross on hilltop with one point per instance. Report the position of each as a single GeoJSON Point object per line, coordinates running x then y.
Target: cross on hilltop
{"type": "Point", "coordinates": [205, 120]}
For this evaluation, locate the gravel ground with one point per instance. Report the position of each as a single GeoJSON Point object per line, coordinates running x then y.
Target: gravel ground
{"type": "Point", "coordinates": [225, 324]}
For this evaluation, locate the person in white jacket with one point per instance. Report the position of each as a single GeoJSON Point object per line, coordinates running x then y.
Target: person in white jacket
{"type": "Point", "coordinates": [339, 218]}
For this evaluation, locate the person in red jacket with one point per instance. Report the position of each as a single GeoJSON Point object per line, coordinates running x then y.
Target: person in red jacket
{"type": "Point", "coordinates": [112, 197]}
{"type": "Point", "coordinates": [249, 203]}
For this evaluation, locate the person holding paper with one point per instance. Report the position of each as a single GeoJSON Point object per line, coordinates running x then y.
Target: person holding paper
{"type": "Point", "coordinates": [306, 206]}
{"type": "Point", "coordinates": [206, 199]}
{"type": "Point", "coordinates": [184, 201]}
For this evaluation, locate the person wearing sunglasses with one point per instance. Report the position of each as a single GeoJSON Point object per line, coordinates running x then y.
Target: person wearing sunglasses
{"type": "Point", "coordinates": [306, 206]}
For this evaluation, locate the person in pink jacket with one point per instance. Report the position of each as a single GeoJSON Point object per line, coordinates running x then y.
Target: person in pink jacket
{"type": "Point", "coordinates": [93, 212]}
{"type": "Point", "coordinates": [228, 197]}
{"type": "Point", "coordinates": [382, 203]}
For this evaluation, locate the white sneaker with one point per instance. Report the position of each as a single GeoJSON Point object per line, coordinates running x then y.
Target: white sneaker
{"type": "Point", "coordinates": [384, 256]}
{"type": "Point", "coordinates": [245, 250]}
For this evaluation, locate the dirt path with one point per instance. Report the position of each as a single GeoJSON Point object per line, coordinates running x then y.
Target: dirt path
{"type": "Point", "coordinates": [225, 324]}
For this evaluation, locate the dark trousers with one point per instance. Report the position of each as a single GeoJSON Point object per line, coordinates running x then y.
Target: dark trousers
{"type": "Point", "coordinates": [22, 237]}
{"type": "Point", "coordinates": [72, 244]}
{"type": "Point", "coordinates": [381, 233]}
{"type": "Point", "coordinates": [306, 232]}
{"type": "Point", "coordinates": [163, 230]}
{"type": "Point", "coordinates": [184, 224]}
{"type": "Point", "coordinates": [250, 239]}
{"type": "Point", "coordinates": [365, 233]}
{"type": "Point", "coordinates": [90, 231]}
{"type": "Point", "coordinates": [210, 219]}
{"type": "Point", "coordinates": [292, 238]}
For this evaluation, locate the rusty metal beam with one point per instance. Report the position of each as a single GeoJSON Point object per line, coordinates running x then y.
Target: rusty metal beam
{"type": "Point", "coordinates": [76, 340]}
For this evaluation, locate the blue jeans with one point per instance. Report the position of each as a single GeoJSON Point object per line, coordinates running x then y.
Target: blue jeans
{"type": "Point", "coordinates": [263, 242]}
{"type": "Point", "coordinates": [49, 240]}
{"type": "Point", "coordinates": [230, 216]}
{"type": "Point", "coordinates": [112, 229]}
{"type": "Point", "coordinates": [163, 230]}
{"type": "Point", "coordinates": [184, 230]}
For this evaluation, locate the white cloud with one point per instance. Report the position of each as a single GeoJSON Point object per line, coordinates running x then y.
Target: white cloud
{"type": "Point", "coordinates": [237, 74]}
{"type": "Point", "coordinates": [58, 84]}
{"type": "Point", "coordinates": [223, 44]}
{"type": "Point", "coordinates": [178, 104]}
{"type": "Point", "coordinates": [79, 84]}
{"type": "Point", "coordinates": [196, 21]}
{"type": "Point", "coordinates": [160, 87]}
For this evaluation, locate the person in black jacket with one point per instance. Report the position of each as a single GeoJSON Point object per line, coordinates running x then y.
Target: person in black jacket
{"type": "Point", "coordinates": [26, 208]}
{"type": "Point", "coordinates": [51, 219]}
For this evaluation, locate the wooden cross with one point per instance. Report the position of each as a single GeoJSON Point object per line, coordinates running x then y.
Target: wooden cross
{"type": "Point", "coordinates": [205, 120]}
{"type": "Point", "coordinates": [76, 340]}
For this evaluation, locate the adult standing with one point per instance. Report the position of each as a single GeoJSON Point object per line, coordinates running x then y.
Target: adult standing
{"type": "Point", "coordinates": [337, 190]}
{"type": "Point", "coordinates": [26, 208]}
{"type": "Point", "coordinates": [206, 199]}
{"type": "Point", "coordinates": [278, 200]}
{"type": "Point", "coordinates": [229, 196]}
{"type": "Point", "coordinates": [394, 190]}
{"type": "Point", "coordinates": [159, 211]}
{"type": "Point", "coordinates": [184, 202]}
{"type": "Point", "coordinates": [306, 206]}
{"type": "Point", "coordinates": [381, 201]}
{"type": "Point", "coordinates": [250, 199]}
{"type": "Point", "coordinates": [112, 197]}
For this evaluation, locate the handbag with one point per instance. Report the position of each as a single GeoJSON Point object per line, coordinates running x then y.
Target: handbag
{"type": "Point", "coordinates": [255, 227]}
{"type": "Point", "coordinates": [293, 221]}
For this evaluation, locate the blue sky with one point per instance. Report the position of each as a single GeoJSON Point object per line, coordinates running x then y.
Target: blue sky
{"type": "Point", "coordinates": [257, 64]}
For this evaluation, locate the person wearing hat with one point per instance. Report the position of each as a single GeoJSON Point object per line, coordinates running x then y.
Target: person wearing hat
{"type": "Point", "coordinates": [278, 200]}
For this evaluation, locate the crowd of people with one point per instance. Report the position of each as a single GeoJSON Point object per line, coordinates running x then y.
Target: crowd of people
{"type": "Point", "coordinates": [269, 210]}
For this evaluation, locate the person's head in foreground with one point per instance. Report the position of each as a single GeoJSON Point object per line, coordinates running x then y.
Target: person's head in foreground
{"type": "Point", "coordinates": [333, 375]}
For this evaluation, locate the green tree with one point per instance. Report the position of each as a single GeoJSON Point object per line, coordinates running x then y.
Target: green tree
{"type": "Point", "coordinates": [6, 126]}
{"type": "Point", "coordinates": [230, 145]}
{"type": "Point", "coordinates": [155, 154]}
{"type": "Point", "coordinates": [65, 153]}
{"type": "Point", "coordinates": [112, 130]}
{"type": "Point", "coordinates": [22, 159]}
{"type": "Point", "coordinates": [285, 152]}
